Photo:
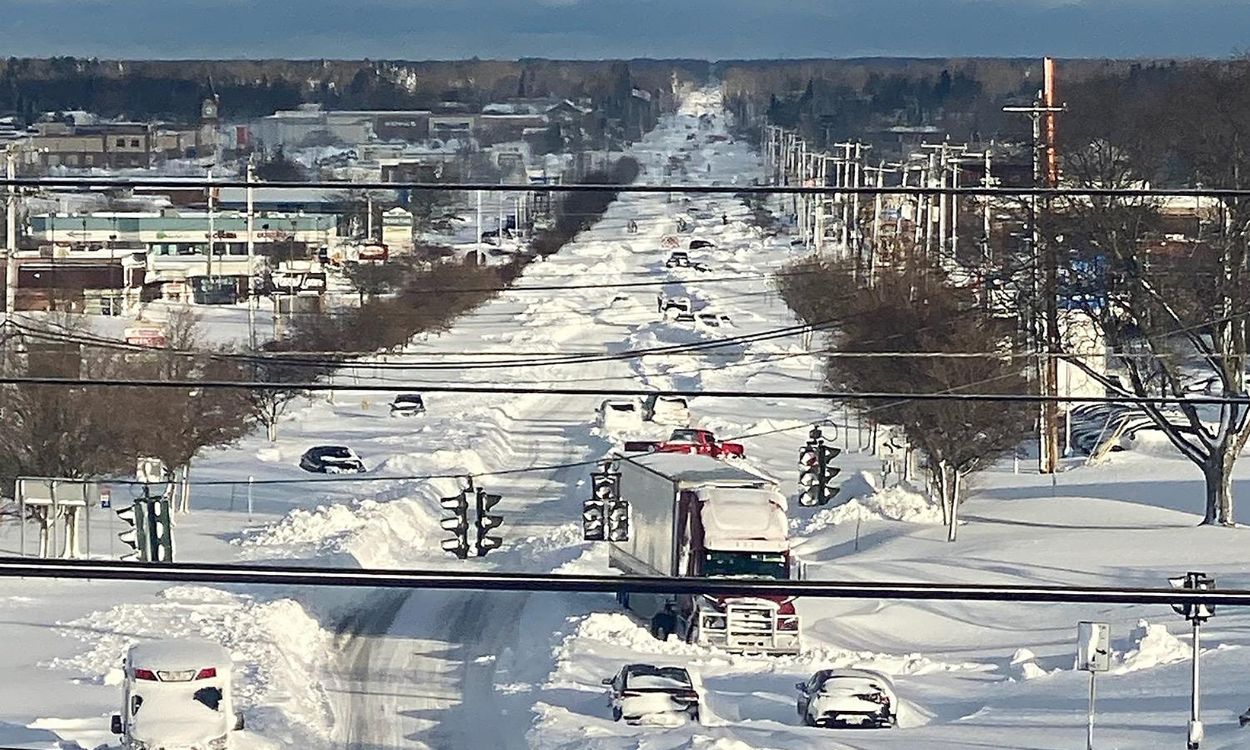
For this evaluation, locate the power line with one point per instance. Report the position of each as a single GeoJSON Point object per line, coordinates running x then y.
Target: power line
{"type": "Point", "coordinates": [361, 478]}
{"type": "Point", "coordinates": [487, 389]}
{"type": "Point", "coordinates": [478, 580]}
{"type": "Point", "coordinates": [89, 183]}
{"type": "Point", "coordinates": [709, 344]}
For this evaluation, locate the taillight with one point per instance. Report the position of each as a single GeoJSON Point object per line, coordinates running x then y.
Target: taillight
{"type": "Point", "coordinates": [686, 695]}
{"type": "Point", "coordinates": [788, 624]}
{"type": "Point", "coordinates": [145, 674]}
{"type": "Point", "coordinates": [881, 698]}
{"type": "Point", "coordinates": [206, 673]}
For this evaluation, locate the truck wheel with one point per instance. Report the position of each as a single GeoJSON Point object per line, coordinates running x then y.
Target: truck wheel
{"type": "Point", "coordinates": [616, 713]}
{"type": "Point", "coordinates": [661, 627]}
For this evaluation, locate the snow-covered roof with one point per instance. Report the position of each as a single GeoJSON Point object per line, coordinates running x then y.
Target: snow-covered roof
{"type": "Point", "coordinates": [179, 654]}
{"type": "Point", "coordinates": [693, 470]}
{"type": "Point", "coordinates": [735, 517]}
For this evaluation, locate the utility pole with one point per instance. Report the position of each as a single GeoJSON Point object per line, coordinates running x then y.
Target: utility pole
{"type": "Point", "coordinates": [986, 182]}
{"type": "Point", "coordinates": [930, 168]}
{"type": "Point", "coordinates": [10, 215]}
{"type": "Point", "coordinates": [480, 256]}
{"type": "Point", "coordinates": [211, 227]}
{"type": "Point", "coordinates": [1044, 257]}
{"type": "Point", "coordinates": [251, 256]}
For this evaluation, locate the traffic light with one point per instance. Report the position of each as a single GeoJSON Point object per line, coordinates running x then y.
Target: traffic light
{"type": "Point", "coordinates": [486, 521]}
{"type": "Point", "coordinates": [817, 471]}
{"type": "Point", "coordinates": [605, 516]}
{"type": "Point", "coordinates": [593, 521]}
{"type": "Point", "coordinates": [1195, 613]}
{"type": "Point", "coordinates": [457, 524]}
{"type": "Point", "coordinates": [825, 454]}
{"type": "Point", "coordinates": [136, 536]}
{"type": "Point", "coordinates": [609, 488]}
{"type": "Point", "coordinates": [809, 479]}
{"type": "Point", "coordinates": [160, 529]}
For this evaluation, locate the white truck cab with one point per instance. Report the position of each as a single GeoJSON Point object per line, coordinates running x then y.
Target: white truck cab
{"type": "Point", "coordinates": [177, 696]}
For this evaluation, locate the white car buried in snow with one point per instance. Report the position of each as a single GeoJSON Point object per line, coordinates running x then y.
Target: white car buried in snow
{"type": "Point", "coordinates": [620, 415]}
{"type": "Point", "coordinates": [655, 695]}
{"type": "Point", "coordinates": [667, 410]}
{"type": "Point", "coordinates": [177, 696]}
{"type": "Point", "coordinates": [847, 698]}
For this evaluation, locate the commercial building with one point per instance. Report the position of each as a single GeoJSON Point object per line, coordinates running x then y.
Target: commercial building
{"type": "Point", "coordinates": [104, 262]}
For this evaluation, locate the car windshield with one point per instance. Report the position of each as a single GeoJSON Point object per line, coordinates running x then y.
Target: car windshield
{"type": "Point", "coordinates": [745, 565]}
{"type": "Point", "coordinates": [408, 400]}
{"type": "Point", "coordinates": [336, 452]}
{"type": "Point", "coordinates": [685, 436]}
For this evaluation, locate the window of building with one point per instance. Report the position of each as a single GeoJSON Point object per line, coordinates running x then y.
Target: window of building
{"type": "Point", "coordinates": [72, 160]}
{"type": "Point", "coordinates": [89, 160]}
{"type": "Point", "coordinates": [134, 143]}
{"type": "Point", "coordinates": [121, 143]}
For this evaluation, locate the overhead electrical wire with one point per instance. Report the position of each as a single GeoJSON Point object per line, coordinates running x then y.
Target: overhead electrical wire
{"type": "Point", "coordinates": [470, 388]}
{"type": "Point", "coordinates": [90, 183]}
{"type": "Point", "coordinates": [480, 580]}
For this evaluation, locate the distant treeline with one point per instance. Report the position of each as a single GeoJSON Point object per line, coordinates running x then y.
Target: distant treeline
{"type": "Point", "coordinates": [962, 97]}
{"type": "Point", "coordinates": [174, 89]}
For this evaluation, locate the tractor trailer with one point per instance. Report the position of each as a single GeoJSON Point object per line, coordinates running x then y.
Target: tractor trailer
{"type": "Point", "coordinates": [694, 515]}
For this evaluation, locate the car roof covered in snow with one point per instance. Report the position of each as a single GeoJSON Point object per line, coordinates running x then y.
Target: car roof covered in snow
{"type": "Point", "coordinates": [178, 654]}
{"type": "Point", "coordinates": [693, 470]}
{"type": "Point", "coordinates": [858, 674]}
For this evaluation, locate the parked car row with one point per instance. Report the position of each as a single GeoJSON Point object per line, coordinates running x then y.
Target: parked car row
{"type": "Point", "coordinates": [645, 693]}
{"type": "Point", "coordinates": [630, 414]}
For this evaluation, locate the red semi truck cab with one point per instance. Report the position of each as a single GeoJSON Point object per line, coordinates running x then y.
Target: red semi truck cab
{"type": "Point", "coordinates": [696, 516]}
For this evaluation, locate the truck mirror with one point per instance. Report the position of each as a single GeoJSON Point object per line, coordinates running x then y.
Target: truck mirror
{"type": "Point", "coordinates": [115, 724]}
{"type": "Point", "coordinates": [800, 686]}
{"type": "Point", "coordinates": [238, 721]}
{"type": "Point", "coordinates": [607, 680]}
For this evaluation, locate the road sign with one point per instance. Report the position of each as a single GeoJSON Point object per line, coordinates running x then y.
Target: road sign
{"type": "Point", "coordinates": [106, 497]}
{"type": "Point", "coordinates": [1093, 646]}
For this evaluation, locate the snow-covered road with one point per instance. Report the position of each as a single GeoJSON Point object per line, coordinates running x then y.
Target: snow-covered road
{"type": "Point", "coordinates": [497, 670]}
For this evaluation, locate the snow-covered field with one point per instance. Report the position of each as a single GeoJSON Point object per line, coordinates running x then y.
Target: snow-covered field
{"type": "Point", "coordinates": [474, 670]}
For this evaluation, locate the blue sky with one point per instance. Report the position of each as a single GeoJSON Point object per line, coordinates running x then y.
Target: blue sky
{"type": "Point", "coordinates": [709, 29]}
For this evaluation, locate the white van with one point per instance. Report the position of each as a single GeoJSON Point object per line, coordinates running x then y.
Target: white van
{"type": "Point", "coordinates": [177, 695]}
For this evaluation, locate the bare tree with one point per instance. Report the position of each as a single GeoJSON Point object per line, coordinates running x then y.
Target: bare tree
{"type": "Point", "coordinates": [1175, 319]}
{"type": "Point", "coordinates": [924, 335]}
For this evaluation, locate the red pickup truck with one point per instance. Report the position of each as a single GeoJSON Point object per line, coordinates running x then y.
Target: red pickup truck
{"type": "Point", "coordinates": [683, 440]}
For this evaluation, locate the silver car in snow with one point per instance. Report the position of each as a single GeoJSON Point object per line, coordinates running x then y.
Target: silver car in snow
{"type": "Point", "coordinates": [847, 698]}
